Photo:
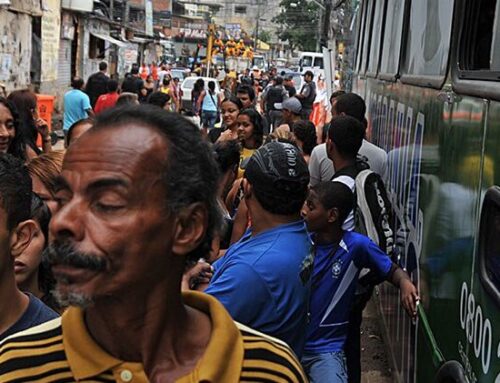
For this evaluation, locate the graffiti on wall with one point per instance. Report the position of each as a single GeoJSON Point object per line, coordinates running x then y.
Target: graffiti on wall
{"type": "Point", "coordinates": [15, 49]}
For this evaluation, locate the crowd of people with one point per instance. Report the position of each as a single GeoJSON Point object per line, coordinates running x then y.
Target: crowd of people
{"type": "Point", "coordinates": [161, 247]}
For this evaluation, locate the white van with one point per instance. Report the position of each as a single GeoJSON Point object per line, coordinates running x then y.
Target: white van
{"type": "Point", "coordinates": [310, 61]}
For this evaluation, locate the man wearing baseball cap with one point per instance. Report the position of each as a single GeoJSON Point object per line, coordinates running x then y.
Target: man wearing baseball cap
{"type": "Point", "coordinates": [292, 112]}
{"type": "Point", "coordinates": [307, 94]}
{"type": "Point", "coordinates": [263, 280]}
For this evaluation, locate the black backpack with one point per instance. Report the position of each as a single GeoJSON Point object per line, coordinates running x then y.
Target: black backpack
{"type": "Point", "coordinates": [274, 96]}
{"type": "Point", "coordinates": [373, 214]}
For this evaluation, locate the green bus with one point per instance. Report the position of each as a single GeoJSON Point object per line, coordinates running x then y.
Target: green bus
{"type": "Point", "coordinates": [429, 71]}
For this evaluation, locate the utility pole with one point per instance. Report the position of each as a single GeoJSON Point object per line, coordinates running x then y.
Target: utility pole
{"type": "Point", "coordinates": [125, 13]}
{"type": "Point", "coordinates": [257, 27]}
{"type": "Point", "coordinates": [325, 32]}
{"type": "Point", "coordinates": [322, 18]}
{"type": "Point", "coordinates": [319, 32]}
{"type": "Point", "coordinates": [210, 44]}
{"type": "Point", "coordinates": [111, 9]}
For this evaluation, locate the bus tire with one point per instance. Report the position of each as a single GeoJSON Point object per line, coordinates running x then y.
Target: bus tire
{"type": "Point", "coordinates": [450, 372]}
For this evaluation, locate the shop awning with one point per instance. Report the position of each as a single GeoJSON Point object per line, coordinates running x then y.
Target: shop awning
{"type": "Point", "coordinates": [141, 40]}
{"type": "Point", "coordinates": [108, 38]}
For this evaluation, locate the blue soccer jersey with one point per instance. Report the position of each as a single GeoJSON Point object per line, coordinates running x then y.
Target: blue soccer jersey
{"type": "Point", "coordinates": [263, 281]}
{"type": "Point", "coordinates": [335, 275]}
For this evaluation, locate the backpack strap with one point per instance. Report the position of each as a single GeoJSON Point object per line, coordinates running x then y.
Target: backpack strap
{"type": "Point", "coordinates": [215, 103]}
{"type": "Point", "coordinates": [362, 204]}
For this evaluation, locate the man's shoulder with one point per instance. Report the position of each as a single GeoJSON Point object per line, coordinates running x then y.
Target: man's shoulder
{"type": "Point", "coordinates": [39, 311]}
{"type": "Point", "coordinates": [80, 94]}
{"type": "Point", "coordinates": [40, 346]}
{"type": "Point", "coordinates": [260, 350]}
{"type": "Point", "coordinates": [320, 151]}
{"type": "Point", "coordinates": [368, 149]}
{"type": "Point", "coordinates": [44, 331]}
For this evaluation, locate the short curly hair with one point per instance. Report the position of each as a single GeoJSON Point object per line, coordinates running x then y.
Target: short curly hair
{"type": "Point", "coordinates": [305, 131]}
{"type": "Point", "coordinates": [190, 173]}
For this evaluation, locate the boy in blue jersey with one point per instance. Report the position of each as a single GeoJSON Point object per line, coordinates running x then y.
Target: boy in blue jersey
{"type": "Point", "coordinates": [339, 257]}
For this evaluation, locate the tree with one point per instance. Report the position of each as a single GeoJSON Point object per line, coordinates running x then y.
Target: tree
{"type": "Point", "coordinates": [299, 21]}
{"type": "Point", "coordinates": [264, 36]}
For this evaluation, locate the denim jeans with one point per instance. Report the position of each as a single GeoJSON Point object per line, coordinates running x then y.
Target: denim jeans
{"type": "Point", "coordinates": [208, 117]}
{"type": "Point", "coordinates": [328, 367]}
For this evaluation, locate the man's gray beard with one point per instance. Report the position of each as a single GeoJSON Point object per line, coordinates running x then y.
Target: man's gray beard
{"type": "Point", "coordinates": [71, 299]}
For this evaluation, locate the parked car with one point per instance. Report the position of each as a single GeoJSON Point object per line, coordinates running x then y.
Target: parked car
{"type": "Point", "coordinates": [180, 73]}
{"type": "Point", "coordinates": [187, 86]}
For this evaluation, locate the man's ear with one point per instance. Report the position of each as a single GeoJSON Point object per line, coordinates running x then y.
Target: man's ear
{"type": "Point", "coordinates": [247, 188]}
{"type": "Point", "coordinates": [329, 148]}
{"type": "Point", "coordinates": [333, 215]}
{"type": "Point", "coordinates": [190, 228]}
{"type": "Point", "coordinates": [22, 236]}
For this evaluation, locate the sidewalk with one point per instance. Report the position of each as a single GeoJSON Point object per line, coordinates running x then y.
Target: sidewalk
{"type": "Point", "coordinates": [374, 362]}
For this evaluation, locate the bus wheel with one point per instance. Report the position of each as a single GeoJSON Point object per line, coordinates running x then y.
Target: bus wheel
{"type": "Point", "coordinates": [451, 372]}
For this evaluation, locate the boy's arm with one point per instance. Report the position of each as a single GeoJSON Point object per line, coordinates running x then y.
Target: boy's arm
{"type": "Point", "coordinates": [409, 294]}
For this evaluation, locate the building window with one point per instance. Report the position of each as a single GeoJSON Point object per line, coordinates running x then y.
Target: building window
{"type": "Point", "coordinates": [97, 48]}
{"type": "Point", "coordinates": [240, 10]}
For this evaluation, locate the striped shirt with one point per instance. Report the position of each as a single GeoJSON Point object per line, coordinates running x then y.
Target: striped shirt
{"type": "Point", "coordinates": [63, 351]}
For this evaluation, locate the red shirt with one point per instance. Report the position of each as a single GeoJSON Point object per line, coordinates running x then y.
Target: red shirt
{"type": "Point", "coordinates": [106, 101]}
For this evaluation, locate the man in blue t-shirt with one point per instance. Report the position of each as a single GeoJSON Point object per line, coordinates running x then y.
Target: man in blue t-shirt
{"type": "Point", "coordinates": [339, 257]}
{"type": "Point", "coordinates": [263, 279]}
{"type": "Point", "coordinates": [18, 311]}
{"type": "Point", "coordinates": [76, 104]}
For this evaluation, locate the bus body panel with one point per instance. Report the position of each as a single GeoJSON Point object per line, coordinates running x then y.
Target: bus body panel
{"type": "Point", "coordinates": [437, 175]}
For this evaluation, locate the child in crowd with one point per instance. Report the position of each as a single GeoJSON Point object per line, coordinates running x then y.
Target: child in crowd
{"type": "Point", "coordinates": [339, 257]}
{"type": "Point", "coordinates": [33, 276]}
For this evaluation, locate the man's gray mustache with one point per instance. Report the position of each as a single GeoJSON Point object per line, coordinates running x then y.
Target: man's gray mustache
{"type": "Point", "coordinates": [58, 253]}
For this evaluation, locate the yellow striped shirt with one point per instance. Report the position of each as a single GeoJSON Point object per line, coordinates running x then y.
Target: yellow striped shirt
{"type": "Point", "coordinates": [63, 351]}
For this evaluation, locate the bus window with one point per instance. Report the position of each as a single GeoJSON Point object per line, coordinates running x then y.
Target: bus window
{"type": "Point", "coordinates": [489, 245]}
{"type": "Point", "coordinates": [495, 45]}
{"type": "Point", "coordinates": [361, 35]}
{"type": "Point", "coordinates": [393, 33]}
{"type": "Point", "coordinates": [480, 41]}
{"type": "Point", "coordinates": [367, 36]}
{"type": "Point", "coordinates": [378, 17]}
{"type": "Point", "coordinates": [428, 42]}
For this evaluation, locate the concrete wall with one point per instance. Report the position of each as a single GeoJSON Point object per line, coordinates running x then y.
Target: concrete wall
{"type": "Point", "coordinates": [15, 49]}
{"type": "Point", "coordinates": [51, 31]}
{"type": "Point", "coordinates": [91, 66]}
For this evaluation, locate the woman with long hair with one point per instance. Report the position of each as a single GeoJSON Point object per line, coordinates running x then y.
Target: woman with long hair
{"type": "Point", "coordinates": [209, 106]}
{"type": "Point", "coordinates": [11, 138]}
{"type": "Point", "coordinates": [198, 88]}
{"type": "Point", "coordinates": [230, 108]}
{"type": "Point", "coordinates": [250, 133]}
{"type": "Point", "coordinates": [30, 123]}
{"type": "Point", "coordinates": [251, 136]}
